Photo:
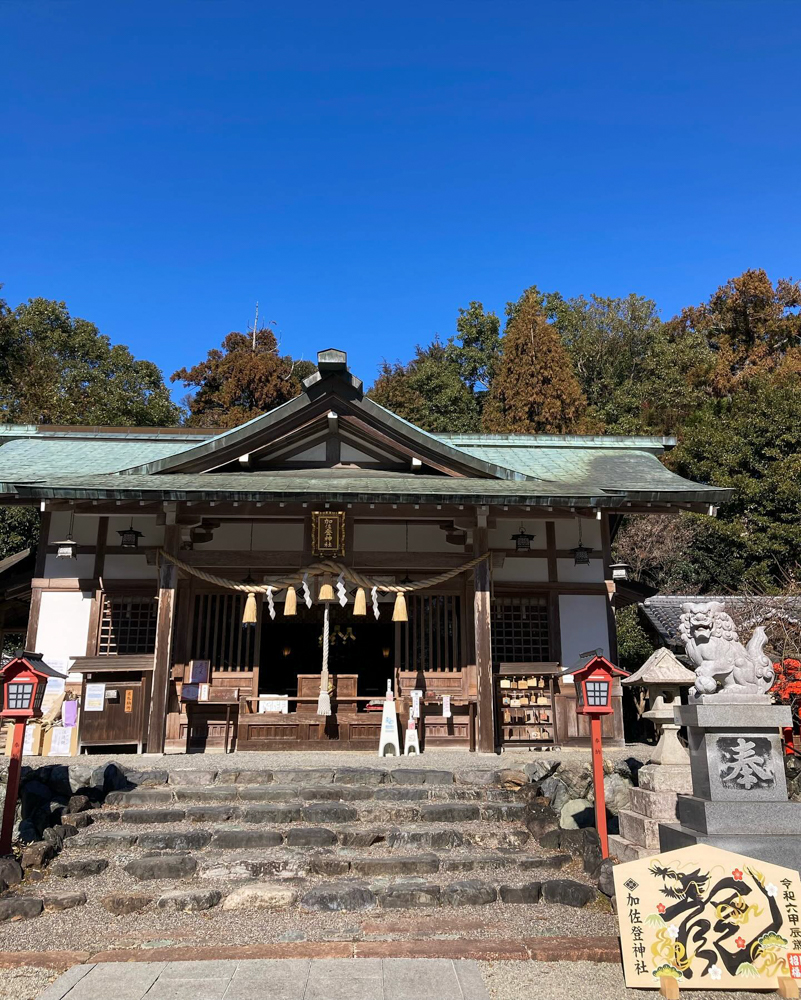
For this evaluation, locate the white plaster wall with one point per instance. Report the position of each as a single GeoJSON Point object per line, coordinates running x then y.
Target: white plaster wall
{"type": "Point", "coordinates": [314, 454]}
{"type": "Point", "coordinates": [235, 536]}
{"type": "Point", "coordinates": [500, 537]}
{"type": "Point", "coordinates": [347, 453]}
{"type": "Point", "coordinates": [567, 533]}
{"type": "Point", "coordinates": [152, 533]}
{"type": "Point", "coordinates": [381, 537]}
{"type": "Point", "coordinates": [522, 570]}
{"type": "Point", "coordinates": [568, 572]}
{"type": "Point", "coordinates": [133, 567]}
{"type": "Point", "coordinates": [84, 529]}
{"type": "Point", "coordinates": [392, 538]}
{"type": "Point", "coordinates": [583, 625]}
{"type": "Point", "coordinates": [63, 626]}
{"type": "Point", "coordinates": [69, 569]}
{"type": "Point", "coordinates": [278, 537]}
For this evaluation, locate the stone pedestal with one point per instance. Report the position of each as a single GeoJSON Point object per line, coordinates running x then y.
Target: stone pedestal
{"type": "Point", "coordinates": [653, 802]}
{"type": "Point", "coordinates": [739, 793]}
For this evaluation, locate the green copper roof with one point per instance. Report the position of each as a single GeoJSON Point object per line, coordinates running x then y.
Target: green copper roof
{"type": "Point", "coordinates": [336, 486]}
{"type": "Point", "coordinates": [181, 463]}
{"type": "Point", "coordinates": [35, 457]}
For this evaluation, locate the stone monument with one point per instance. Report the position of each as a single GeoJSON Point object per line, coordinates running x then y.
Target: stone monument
{"type": "Point", "coordinates": [668, 769]}
{"type": "Point", "coordinates": [739, 792]}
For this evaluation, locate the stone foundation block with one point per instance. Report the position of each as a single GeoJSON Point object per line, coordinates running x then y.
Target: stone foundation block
{"type": "Point", "coordinates": [639, 829]}
{"type": "Point", "coordinates": [653, 805]}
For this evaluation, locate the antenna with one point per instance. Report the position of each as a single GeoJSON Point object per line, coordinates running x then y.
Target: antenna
{"type": "Point", "coordinates": [255, 326]}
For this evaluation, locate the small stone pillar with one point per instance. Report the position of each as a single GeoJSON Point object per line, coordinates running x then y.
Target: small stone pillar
{"type": "Point", "coordinates": [668, 769]}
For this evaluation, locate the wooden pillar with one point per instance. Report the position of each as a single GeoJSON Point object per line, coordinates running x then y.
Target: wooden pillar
{"type": "Point", "coordinates": [168, 580]}
{"type": "Point", "coordinates": [483, 637]}
{"type": "Point", "coordinates": [606, 548]}
{"type": "Point", "coordinates": [39, 572]}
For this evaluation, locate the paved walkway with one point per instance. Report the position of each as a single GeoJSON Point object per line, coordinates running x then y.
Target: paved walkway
{"type": "Point", "coordinates": [265, 979]}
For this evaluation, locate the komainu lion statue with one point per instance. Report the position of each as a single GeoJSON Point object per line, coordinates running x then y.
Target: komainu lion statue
{"type": "Point", "coordinates": [720, 660]}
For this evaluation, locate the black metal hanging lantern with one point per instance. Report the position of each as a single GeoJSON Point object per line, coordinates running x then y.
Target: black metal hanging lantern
{"type": "Point", "coordinates": [581, 554]}
{"type": "Point", "coordinates": [68, 549]}
{"type": "Point", "coordinates": [129, 537]}
{"type": "Point", "coordinates": [522, 540]}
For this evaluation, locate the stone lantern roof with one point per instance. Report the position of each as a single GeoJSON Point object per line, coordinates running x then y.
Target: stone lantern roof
{"type": "Point", "coordinates": [662, 667]}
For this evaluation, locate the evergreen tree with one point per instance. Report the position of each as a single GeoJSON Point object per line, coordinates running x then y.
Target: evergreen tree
{"type": "Point", "coordinates": [428, 392]}
{"type": "Point", "coordinates": [639, 376]}
{"type": "Point", "coordinates": [241, 381]}
{"type": "Point", "coordinates": [535, 389]}
{"type": "Point", "coordinates": [55, 369]}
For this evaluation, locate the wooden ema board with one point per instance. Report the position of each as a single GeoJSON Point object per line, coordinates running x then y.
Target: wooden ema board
{"type": "Point", "coordinates": [708, 919]}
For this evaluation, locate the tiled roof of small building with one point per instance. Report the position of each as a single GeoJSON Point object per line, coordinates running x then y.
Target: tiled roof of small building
{"type": "Point", "coordinates": [664, 610]}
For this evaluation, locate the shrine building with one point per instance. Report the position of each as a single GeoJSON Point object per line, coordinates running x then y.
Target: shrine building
{"type": "Point", "coordinates": [154, 539]}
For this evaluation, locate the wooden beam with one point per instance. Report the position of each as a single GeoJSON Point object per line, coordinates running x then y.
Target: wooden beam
{"type": "Point", "coordinates": [550, 541]}
{"type": "Point", "coordinates": [270, 559]}
{"type": "Point", "coordinates": [483, 634]}
{"type": "Point", "coordinates": [168, 580]}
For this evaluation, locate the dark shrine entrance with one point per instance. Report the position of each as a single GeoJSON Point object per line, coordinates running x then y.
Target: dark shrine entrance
{"type": "Point", "coordinates": [293, 646]}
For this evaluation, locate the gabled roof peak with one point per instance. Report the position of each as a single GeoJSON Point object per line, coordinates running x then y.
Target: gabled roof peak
{"type": "Point", "coordinates": [332, 363]}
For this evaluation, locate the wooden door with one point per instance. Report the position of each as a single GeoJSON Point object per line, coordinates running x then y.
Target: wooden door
{"type": "Point", "coordinates": [123, 716]}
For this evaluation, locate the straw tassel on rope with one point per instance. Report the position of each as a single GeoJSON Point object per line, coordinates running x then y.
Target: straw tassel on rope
{"type": "Point", "coordinates": [251, 614]}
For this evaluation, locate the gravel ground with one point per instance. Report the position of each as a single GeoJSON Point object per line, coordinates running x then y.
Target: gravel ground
{"type": "Point", "coordinates": [26, 983]}
{"type": "Point", "coordinates": [578, 981]}
{"type": "Point", "coordinates": [91, 928]}
{"type": "Point", "coordinates": [252, 760]}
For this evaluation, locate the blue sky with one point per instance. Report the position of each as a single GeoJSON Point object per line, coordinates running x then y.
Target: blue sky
{"type": "Point", "coordinates": [364, 169]}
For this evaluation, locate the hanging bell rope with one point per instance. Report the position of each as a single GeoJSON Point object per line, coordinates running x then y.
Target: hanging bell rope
{"type": "Point", "coordinates": [324, 698]}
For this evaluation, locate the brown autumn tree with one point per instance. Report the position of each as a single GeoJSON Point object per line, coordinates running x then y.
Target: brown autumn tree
{"type": "Point", "coordinates": [752, 327]}
{"type": "Point", "coordinates": [241, 381]}
{"type": "Point", "coordinates": [535, 389]}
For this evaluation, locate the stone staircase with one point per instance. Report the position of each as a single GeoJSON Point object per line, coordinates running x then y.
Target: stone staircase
{"type": "Point", "coordinates": [325, 840]}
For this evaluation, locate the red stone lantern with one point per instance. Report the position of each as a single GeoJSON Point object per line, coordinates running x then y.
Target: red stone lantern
{"type": "Point", "coordinates": [24, 680]}
{"type": "Point", "coordinates": [593, 676]}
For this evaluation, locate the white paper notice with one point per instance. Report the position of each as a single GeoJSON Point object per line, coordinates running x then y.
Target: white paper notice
{"type": "Point", "coordinates": [60, 742]}
{"type": "Point", "coordinates": [416, 696]}
{"type": "Point", "coordinates": [27, 743]}
{"type": "Point", "coordinates": [273, 703]}
{"type": "Point", "coordinates": [95, 698]}
{"type": "Point", "coordinates": [446, 706]}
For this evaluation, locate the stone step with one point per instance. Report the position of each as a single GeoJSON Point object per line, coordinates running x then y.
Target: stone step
{"type": "Point", "coordinates": [364, 776]}
{"type": "Point", "coordinates": [342, 895]}
{"type": "Point", "coordinates": [216, 863]}
{"type": "Point", "coordinates": [230, 794]}
{"type": "Point", "coordinates": [167, 811]}
{"type": "Point", "coordinates": [234, 835]}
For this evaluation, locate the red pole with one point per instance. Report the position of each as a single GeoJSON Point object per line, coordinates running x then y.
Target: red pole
{"type": "Point", "coordinates": [12, 788]}
{"type": "Point", "coordinates": [598, 782]}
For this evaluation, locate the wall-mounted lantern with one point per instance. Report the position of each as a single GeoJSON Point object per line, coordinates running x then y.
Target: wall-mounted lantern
{"type": "Point", "coordinates": [129, 537]}
{"type": "Point", "coordinates": [522, 540]}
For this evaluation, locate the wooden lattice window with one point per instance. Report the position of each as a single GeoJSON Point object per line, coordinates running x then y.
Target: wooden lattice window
{"type": "Point", "coordinates": [218, 634]}
{"type": "Point", "coordinates": [520, 630]}
{"type": "Point", "coordinates": [432, 639]}
{"type": "Point", "coordinates": [127, 625]}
